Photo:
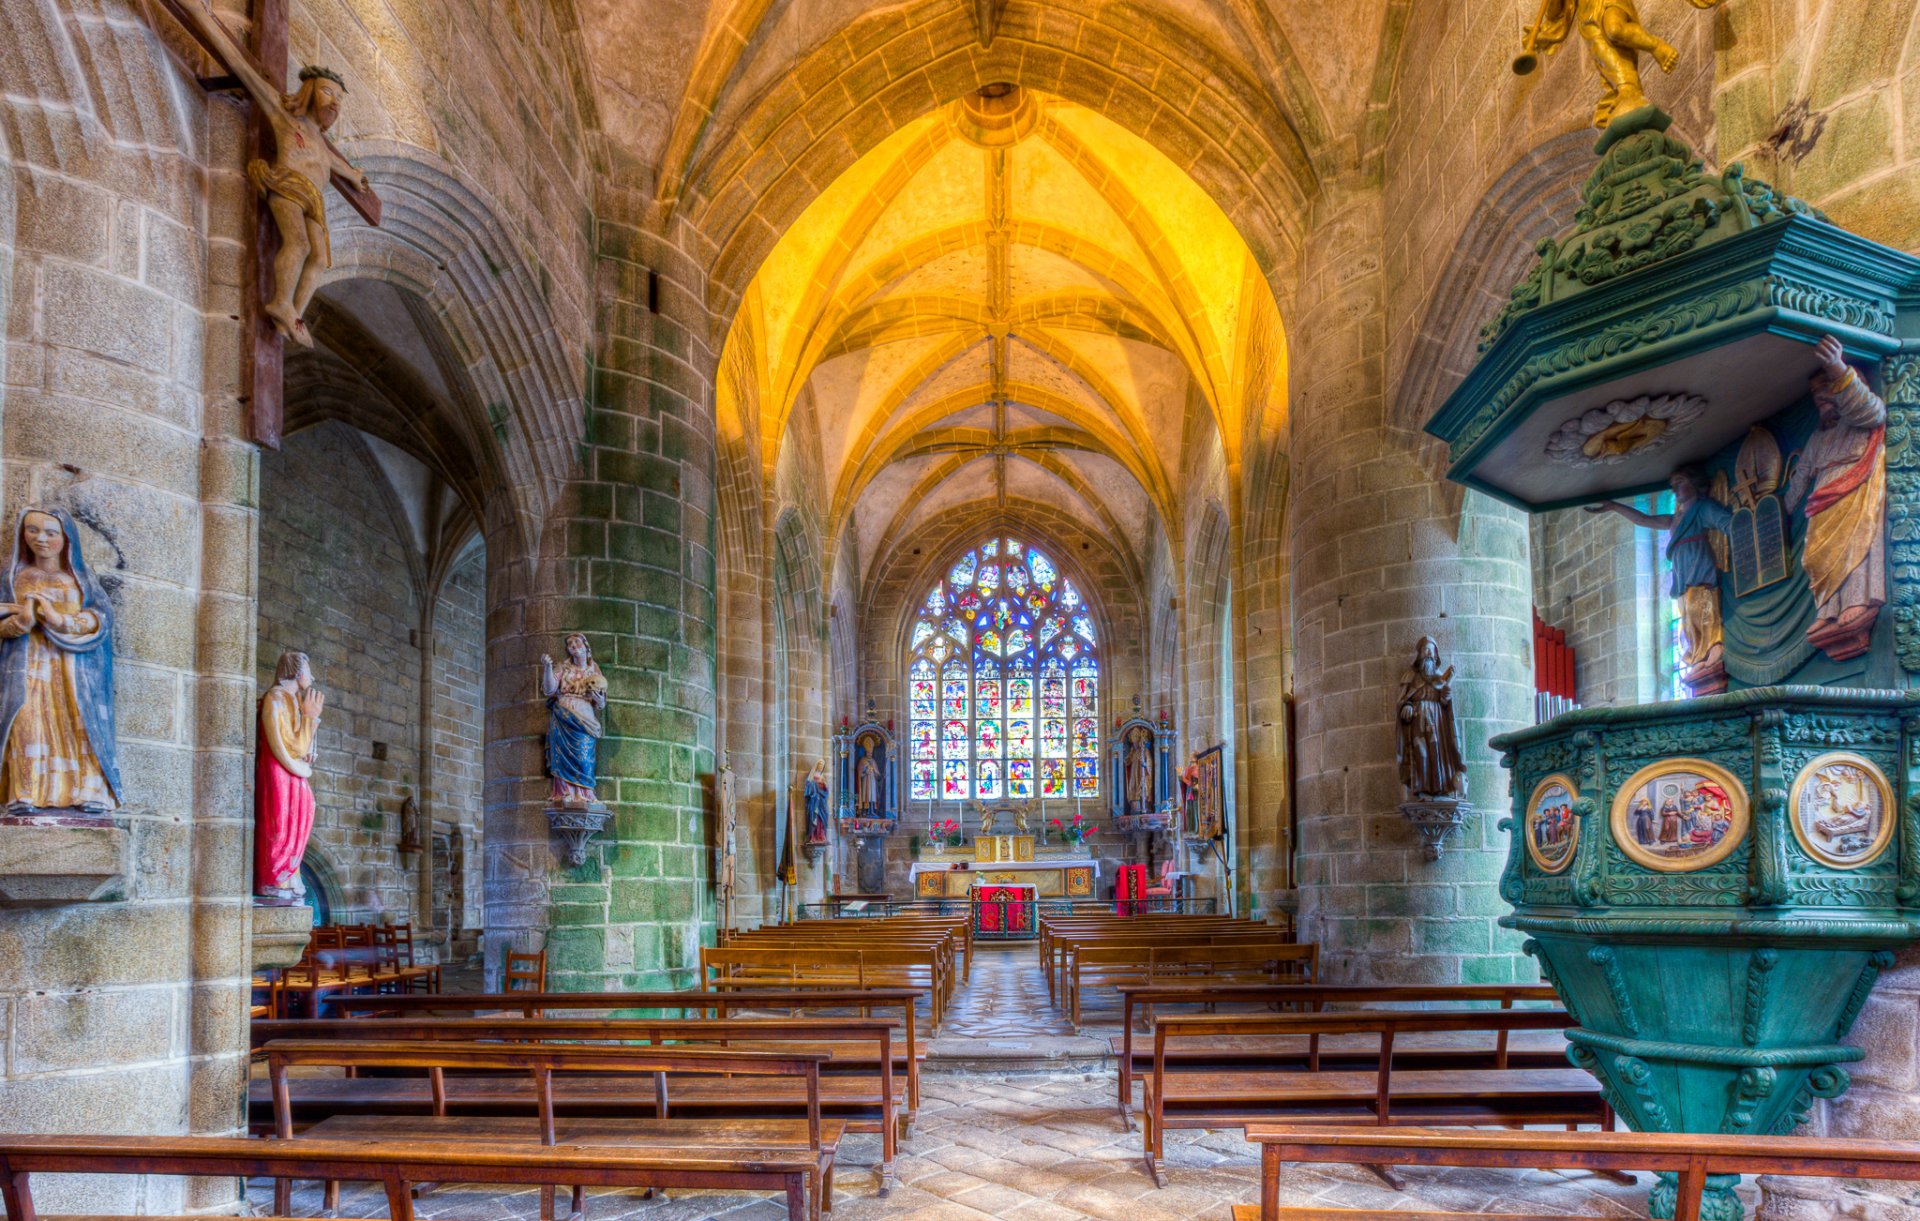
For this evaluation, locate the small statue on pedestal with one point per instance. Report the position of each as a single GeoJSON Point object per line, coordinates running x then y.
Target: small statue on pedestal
{"type": "Point", "coordinates": [56, 675]}
{"type": "Point", "coordinates": [282, 792]}
{"type": "Point", "coordinates": [1139, 772]}
{"type": "Point", "coordinates": [576, 693]}
{"type": "Point", "coordinates": [1431, 766]}
{"type": "Point", "coordinates": [815, 790]}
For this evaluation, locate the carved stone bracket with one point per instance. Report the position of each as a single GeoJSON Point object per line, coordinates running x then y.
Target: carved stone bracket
{"type": "Point", "coordinates": [1435, 818]}
{"type": "Point", "coordinates": [63, 861]}
{"type": "Point", "coordinates": [577, 825]}
{"type": "Point", "coordinates": [280, 935]}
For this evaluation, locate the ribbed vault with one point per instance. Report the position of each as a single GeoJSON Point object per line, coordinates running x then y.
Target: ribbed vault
{"type": "Point", "coordinates": [1009, 300]}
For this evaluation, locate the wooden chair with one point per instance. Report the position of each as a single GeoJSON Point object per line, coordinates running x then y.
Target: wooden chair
{"type": "Point", "coordinates": [526, 972]}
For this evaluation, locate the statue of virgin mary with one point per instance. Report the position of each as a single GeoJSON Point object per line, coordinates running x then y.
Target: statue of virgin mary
{"type": "Point", "coordinates": [56, 674]}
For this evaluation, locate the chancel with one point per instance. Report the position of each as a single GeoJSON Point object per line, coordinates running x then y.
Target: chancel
{"type": "Point", "coordinates": [965, 608]}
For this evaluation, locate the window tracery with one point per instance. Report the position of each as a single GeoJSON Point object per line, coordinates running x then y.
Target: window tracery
{"type": "Point", "coordinates": [1003, 682]}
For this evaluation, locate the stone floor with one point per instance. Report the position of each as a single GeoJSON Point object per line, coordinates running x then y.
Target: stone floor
{"type": "Point", "coordinates": [1018, 1121]}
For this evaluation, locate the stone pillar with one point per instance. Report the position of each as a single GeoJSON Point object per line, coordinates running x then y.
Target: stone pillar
{"type": "Point", "coordinates": [627, 557]}
{"type": "Point", "coordinates": [1385, 552]}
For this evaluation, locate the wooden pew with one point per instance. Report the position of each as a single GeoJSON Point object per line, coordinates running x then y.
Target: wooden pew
{"type": "Point", "coordinates": [1059, 937]}
{"type": "Point", "coordinates": [398, 1165]}
{"type": "Point", "coordinates": [784, 968]}
{"type": "Point", "coordinates": [1229, 959]}
{"type": "Point", "coordinates": [1147, 999]}
{"type": "Point", "coordinates": [487, 1110]}
{"type": "Point", "coordinates": [1236, 1097]}
{"type": "Point", "coordinates": [687, 1004]}
{"type": "Point", "coordinates": [941, 948]}
{"type": "Point", "coordinates": [1690, 1156]}
{"type": "Point", "coordinates": [850, 1047]}
{"type": "Point", "coordinates": [954, 933]}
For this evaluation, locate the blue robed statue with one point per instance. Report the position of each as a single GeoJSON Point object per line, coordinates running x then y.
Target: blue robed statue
{"type": "Point", "coordinates": [576, 694]}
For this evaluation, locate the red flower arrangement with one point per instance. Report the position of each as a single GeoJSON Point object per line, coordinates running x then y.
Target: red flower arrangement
{"type": "Point", "coordinates": [949, 831]}
{"type": "Point", "coordinates": [1076, 832]}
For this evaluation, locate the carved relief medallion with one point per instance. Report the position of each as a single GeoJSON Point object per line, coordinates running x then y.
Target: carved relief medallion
{"type": "Point", "coordinates": [1842, 810]}
{"type": "Point", "coordinates": [1679, 815]}
{"type": "Point", "coordinates": [1552, 830]}
{"type": "Point", "coordinates": [1609, 434]}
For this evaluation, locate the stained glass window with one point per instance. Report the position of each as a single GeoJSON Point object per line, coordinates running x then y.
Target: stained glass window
{"type": "Point", "coordinates": [1003, 682]}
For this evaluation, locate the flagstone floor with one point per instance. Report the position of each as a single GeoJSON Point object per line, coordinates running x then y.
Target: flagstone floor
{"type": "Point", "coordinates": [1033, 1140]}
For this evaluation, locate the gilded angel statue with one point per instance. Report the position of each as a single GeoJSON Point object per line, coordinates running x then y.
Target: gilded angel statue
{"type": "Point", "coordinates": [1616, 38]}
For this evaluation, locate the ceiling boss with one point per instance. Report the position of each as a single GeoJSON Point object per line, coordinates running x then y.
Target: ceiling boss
{"type": "Point", "coordinates": [1614, 34]}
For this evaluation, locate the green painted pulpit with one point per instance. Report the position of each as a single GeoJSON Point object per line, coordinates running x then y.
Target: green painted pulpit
{"type": "Point", "coordinates": [1714, 884]}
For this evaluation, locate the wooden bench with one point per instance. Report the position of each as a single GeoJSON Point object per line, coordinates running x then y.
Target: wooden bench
{"type": "Point", "coordinates": [729, 968]}
{"type": "Point", "coordinates": [443, 1107]}
{"type": "Point", "coordinates": [1228, 960]}
{"type": "Point", "coordinates": [399, 1165]}
{"type": "Point", "coordinates": [1689, 1156]}
{"type": "Point", "coordinates": [1301, 1053]}
{"type": "Point", "coordinates": [1059, 941]}
{"type": "Point", "coordinates": [951, 944]}
{"type": "Point", "coordinates": [1472, 1097]}
{"type": "Point", "coordinates": [850, 1048]}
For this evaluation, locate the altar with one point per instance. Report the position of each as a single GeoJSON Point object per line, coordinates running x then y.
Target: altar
{"type": "Point", "coordinates": [1050, 877]}
{"type": "Point", "coordinates": [1003, 911]}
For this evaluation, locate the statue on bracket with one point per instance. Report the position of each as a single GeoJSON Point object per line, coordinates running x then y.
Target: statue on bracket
{"type": "Point", "coordinates": [282, 791]}
{"type": "Point", "coordinates": [1431, 765]}
{"type": "Point", "coordinates": [1613, 33]}
{"type": "Point", "coordinates": [56, 675]}
{"type": "Point", "coordinates": [576, 694]}
{"type": "Point", "coordinates": [1429, 755]}
{"type": "Point", "coordinates": [1840, 482]}
{"type": "Point", "coordinates": [814, 788]}
{"type": "Point", "coordinates": [1697, 553]}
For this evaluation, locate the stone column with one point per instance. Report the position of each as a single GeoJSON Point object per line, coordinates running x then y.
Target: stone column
{"type": "Point", "coordinates": [627, 557]}
{"type": "Point", "coordinates": [1385, 552]}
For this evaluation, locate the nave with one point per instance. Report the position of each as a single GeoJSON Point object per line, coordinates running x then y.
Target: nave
{"type": "Point", "coordinates": [1017, 1121]}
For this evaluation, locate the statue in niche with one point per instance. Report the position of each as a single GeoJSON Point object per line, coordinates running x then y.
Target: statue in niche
{"type": "Point", "coordinates": [815, 790]}
{"type": "Point", "coordinates": [1697, 552]}
{"type": "Point", "coordinates": [409, 825]}
{"type": "Point", "coordinates": [1616, 39]}
{"type": "Point", "coordinates": [1839, 479]}
{"type": "Point", "coordinates": [282, 791]}
{"type": "Point", "coordinates": [576, 694]}
{"type": "Point", "coordinates": [1430, 762]}
{"type": "Point", "coordinates": [1139, 771]}
{"type": "Point", "coordinates": [56, 675]}
{"type": "Point", "coordinates": [866, 778]}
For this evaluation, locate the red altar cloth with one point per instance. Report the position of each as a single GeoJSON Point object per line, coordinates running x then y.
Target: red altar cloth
{"type": "Point", "coordinates": [1003, 909]}
{"type": "Point", "coordinates": [1129, 890]}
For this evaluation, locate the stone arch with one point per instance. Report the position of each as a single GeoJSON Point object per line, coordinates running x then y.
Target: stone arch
{"type": "Point", "coordinates": [442, 240]}
{"type": "Point", "coordinates": [1206, 114]}
{"type": "Point", "coordinates": [900, 578]}
{"type": "Point", "coordinates": [1530, 201]}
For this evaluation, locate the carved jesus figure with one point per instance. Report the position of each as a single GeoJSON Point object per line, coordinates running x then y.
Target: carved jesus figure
{"type": "Point", "coordinates": [302, 162]}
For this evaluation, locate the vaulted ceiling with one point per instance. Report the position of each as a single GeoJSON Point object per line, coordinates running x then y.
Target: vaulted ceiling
{"type": "Point", "coordinates": [1010, 299]}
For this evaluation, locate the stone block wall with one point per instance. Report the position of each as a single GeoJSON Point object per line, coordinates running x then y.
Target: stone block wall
{"type": "Point", "coordinates": [336, 584]}
{"type": "Point", "coordinates": [120, 403]}
{"type": "Point", "coordinates": [457, 720]}
{"type": "Point", "coordinates": [1385, 553]}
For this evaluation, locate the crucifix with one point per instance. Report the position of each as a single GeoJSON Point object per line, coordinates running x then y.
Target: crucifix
{"type": "Point", "coordinates": [290, 157]}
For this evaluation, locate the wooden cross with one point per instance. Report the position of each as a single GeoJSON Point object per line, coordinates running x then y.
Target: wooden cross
{"type": "Point", "coordinates": [266, 52]}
